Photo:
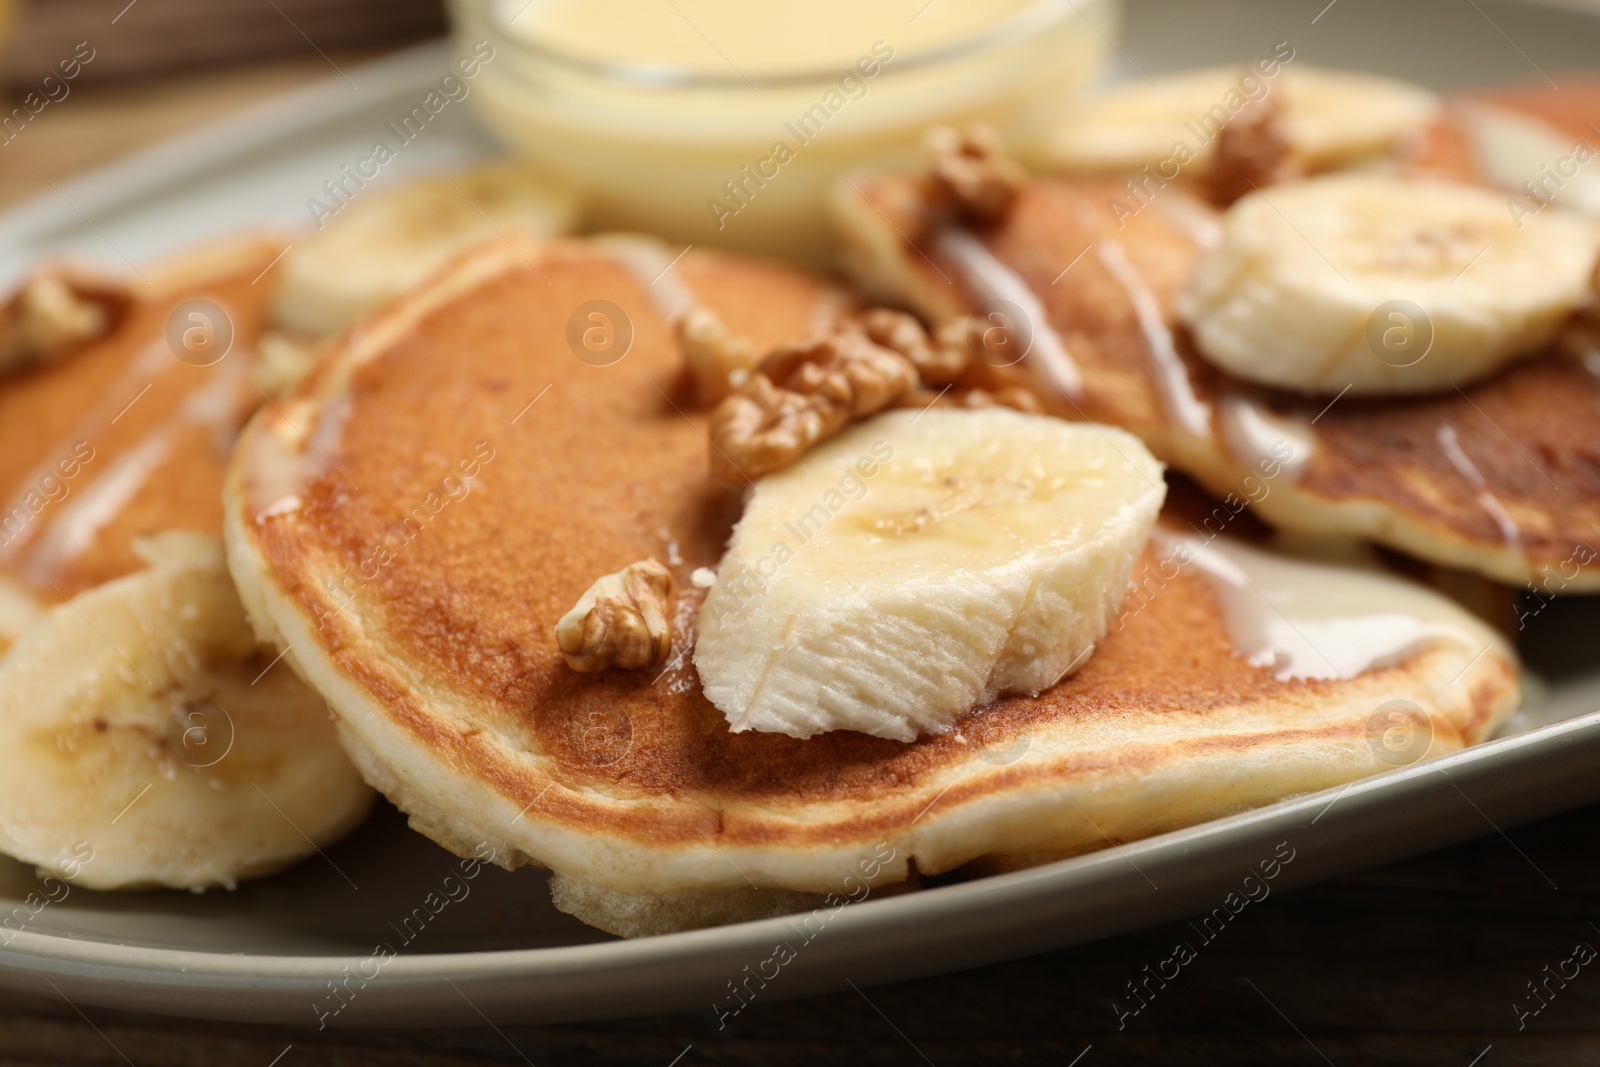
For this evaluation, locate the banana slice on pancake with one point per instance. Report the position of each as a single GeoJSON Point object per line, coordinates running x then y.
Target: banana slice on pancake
{"type": "Point", "coordinates": [921, 565]}
{"type": "Point", "coordinates": [1382, 284]}
{"type": "Point", "coordinates": [1330, 118]}
{"type": "Point", "coordinates": [141, 722]}
{"type": "Point", "coordinates": [385, 241]}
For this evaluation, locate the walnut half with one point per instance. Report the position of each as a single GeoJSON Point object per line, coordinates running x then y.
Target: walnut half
{"type": "Point", "coordinates": [939, 360]}
{"type": "Point", "coordinates": [54, 311]}
{"type": "Point", "coordinates": [802, 394]}
{"type": "Point", "coordinates": [970, 166]}
{"type": "Point", "coordinates": [718, 359]}
{"type": "Point", "coordinates": [1252, 151]}
{"type": "Point", "coordinates": [621, 621]}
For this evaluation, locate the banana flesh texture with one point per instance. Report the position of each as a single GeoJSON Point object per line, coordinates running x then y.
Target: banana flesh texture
{"type": "Point", "coordinates": [1330, 118]}
{"type": "Point", "coordinates": [147, 740]}
{"type": "Point", "coordinates": [1383, 284]}
{"type": "Point", "coordinates": [385, 242]}
{"type": "Point", "coordinates": [921, 565]}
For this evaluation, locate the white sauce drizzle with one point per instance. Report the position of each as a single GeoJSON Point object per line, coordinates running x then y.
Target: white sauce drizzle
{"type": "Point", "coordinates": [993, 280]}
{"type": "Point", "coordinates": [114, 397]}
{"type": "Point", "coordinates": [1201, 222]}
{"type": "Point", "coordinates": [97, 504]}
{"type": "Point", "coordinates": [285, 461]}
{"type": "Point", "coordinates": [1172, 377]}
{"type": "Point", "coordinates": [1253, 435]}
{"type": "Point", "coordinates": [647, 260]}
{"type": "Point", "coordinates": [1469, 470]}
{"type": "Point", "coordinates": [75, 528]}
{"type": "Point", "coordinates": [1306, 620]}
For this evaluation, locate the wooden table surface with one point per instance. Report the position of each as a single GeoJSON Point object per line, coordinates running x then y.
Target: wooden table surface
{"type": "Point", "coordinates": [1423, 962]}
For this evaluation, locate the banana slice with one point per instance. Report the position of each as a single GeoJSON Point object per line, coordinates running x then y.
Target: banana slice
{"type": "Point", "coordinates": [1331, 118]}
{"type": "Point", "coordinates": [919, 565]}
{"type": "Point", "coordinates": [1383, 284]}
{"type": "Point", "coordinates": [387, 241]}
{"type": "Point", "coordinates": [139, 725]}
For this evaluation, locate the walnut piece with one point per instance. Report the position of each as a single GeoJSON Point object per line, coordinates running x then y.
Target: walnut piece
{"type": "Point", "coordinates": [621, 621]}
{"type": "Point", "coordinates": [1252, 152]}
{"type": "Point", "coordinates": [971, 168]}
{"type": "Point", "coordinates": [939, 360]}
{"type": "Point", "coordinates": [802, 394]}
{"type": "Point", "coordinates": [56, 311]}
{"type": "Point", "coordinates": [719, 361]}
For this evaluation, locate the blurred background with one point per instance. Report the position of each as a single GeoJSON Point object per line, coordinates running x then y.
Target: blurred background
{"type": "Point", "coordinates": [162, 66]}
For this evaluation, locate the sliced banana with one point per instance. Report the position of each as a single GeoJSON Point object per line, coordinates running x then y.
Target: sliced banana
{"type": "Point", "coordinates": [1331, 118]}
{"type": "Point", "coordinates": [385, 242]}
{"type": "Point", "coordinates": [140, 726]}
{"type": "Point", "coordinates": [919, 565]}
{"type": "Point", "coordinates": [1384, 284]}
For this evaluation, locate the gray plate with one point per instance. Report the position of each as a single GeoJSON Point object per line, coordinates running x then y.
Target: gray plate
{"type": "Point", "coordinates": [271, 950]}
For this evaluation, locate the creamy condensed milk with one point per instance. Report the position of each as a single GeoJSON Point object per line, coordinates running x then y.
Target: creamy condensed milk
{"type": "Point", "coordinates": [722, 122]}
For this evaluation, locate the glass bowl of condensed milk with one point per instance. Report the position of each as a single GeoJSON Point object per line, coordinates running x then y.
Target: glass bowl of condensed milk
{"type": "Point", "coordinates": [725, 122]}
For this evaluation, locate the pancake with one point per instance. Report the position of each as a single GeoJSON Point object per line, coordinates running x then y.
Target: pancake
{"type": "Point", "coordinates": [124, 438]}
{"type": "Point", "coordinates": [473, 476]}
{"type": "Point", "coordinates": [141, 723]}
{"type": "Point", "coordinates": [1501, 478]}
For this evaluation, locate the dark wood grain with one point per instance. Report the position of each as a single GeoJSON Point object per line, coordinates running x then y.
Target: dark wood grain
{"type": "Point", "coordinates": [153, 37]}
{"type": "Point", "coordinates": [1415, 963]}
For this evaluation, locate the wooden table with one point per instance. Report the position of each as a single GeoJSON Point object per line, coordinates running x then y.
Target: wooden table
{"type": "Point", "coordinates": [1420, 962]}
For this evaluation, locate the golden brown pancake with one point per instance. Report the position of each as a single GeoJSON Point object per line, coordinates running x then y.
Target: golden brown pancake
{"type": "Point", "coordinates": [123, 438]}
{"type": "Point", "coordinates": [415, 562]}
{"type": "Point", "coordinates": [1501, 478]}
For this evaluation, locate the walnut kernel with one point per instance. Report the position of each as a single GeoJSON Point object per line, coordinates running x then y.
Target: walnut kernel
{"type": "Point", "coordinates": [55, 311]}
{"type": "Point", "coordinates": [718, 360]}
{"type": "Point", "coordinates": [620, 621]}
{"type": "Point", "coordinates": [802, 394]}
{"type": "Point", "coordinates": [938, 362]}
{"type": "Point", "coordinates": [1252, 151]}
{"type": "Point", "coordinates": [970, 167]}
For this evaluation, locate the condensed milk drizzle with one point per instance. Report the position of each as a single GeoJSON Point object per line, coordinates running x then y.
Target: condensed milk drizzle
{"type": "Point", "coordinates": [993, 280]}
{"type": "Point", "coordinates": [1199, 221]}
{"type": "Point", "coordinates": [113, 400]}
{"type": "Point", "coordinates": [1451, 444]}
{"type": "Point", "coordinates": [1262, 439]}
{"type": "Point", "coordinates": [287, 459]}
{"type": "Point", "coordinates": [72, 533]}
{"type": "Point", "coordinates": [1171, 377]}
{"type": "Point", "coordinates": [1307, 620]}
{"type": "Point", "coordinates": [647, 260]}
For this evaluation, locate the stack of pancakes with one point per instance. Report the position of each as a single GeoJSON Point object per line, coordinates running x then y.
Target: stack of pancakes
{"type": "Point", "coordinates": [408, 524]}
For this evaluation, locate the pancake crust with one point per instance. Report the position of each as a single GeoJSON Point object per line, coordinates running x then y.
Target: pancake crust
{"type": "Point", "coordinates": [1524, 507]}
{"type": "Point", "coordinates": [436, 646]}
